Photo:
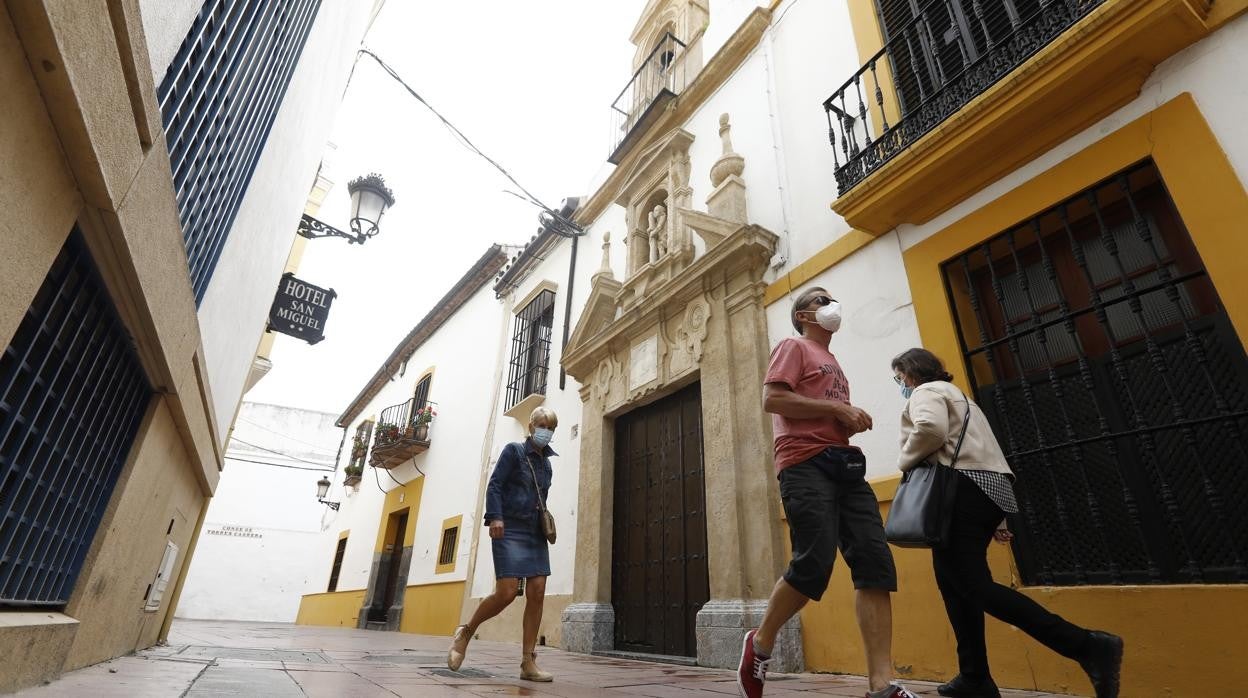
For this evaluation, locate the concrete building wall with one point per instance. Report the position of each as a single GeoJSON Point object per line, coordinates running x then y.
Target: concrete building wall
{"type": "Point", "coordinates": [256, 553]}
{"type": "Point", "coordinates": [81, 143]}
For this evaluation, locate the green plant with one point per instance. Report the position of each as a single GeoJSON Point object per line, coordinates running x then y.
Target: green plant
{"type": "Point", "coordinates": [424, 416]}
{"type": "Point", "coordinates": [387, 431]}
{"type": "Point", "coordinates": [360, 443]}
{"type": "Point", "coordinates": [353, 470]}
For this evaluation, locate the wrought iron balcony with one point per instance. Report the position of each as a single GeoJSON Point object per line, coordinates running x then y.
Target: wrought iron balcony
{"type": "Point", "coordinates": [655, 84]}
{"type": "Point", "coordinates": [402, 433]}
{"type": "Point", "coordinates": [936, 60]}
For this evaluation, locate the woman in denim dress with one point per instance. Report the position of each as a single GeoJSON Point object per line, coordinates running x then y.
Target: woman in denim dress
{"type": "Point", "coordinates": [517, 542]}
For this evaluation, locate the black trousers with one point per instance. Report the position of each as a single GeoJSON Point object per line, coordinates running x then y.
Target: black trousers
{"type": "Point", "coordinates": [968, 590]}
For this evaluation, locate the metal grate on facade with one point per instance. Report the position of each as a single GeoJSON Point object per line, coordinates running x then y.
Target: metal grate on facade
{"type": "Point", "coordinates": [72, 394]}
{"type": "Point", "coordinates": [530, 349]}
{"type": "Point", "coordinates": [218, 102]}
{"type": "Point", "coordinates": [1111, 374]}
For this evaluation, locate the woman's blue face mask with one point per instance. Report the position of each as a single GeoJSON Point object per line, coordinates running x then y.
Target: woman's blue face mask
{"type": "Point", "coordinates": [542, 435]}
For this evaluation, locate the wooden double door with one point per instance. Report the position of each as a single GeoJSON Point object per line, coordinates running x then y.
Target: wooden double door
{"type": "Point", "coordinates": [659, 577]}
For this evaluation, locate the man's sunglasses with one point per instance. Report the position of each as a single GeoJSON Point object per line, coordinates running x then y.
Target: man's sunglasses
{"type": "Point", "coordinates": [821, 301]}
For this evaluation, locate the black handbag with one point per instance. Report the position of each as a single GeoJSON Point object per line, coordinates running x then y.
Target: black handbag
{"type": "Point", "coordinates": [921, 512]}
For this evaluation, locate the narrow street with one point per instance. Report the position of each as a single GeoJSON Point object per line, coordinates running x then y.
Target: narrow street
{"type": "Point", "coordinates": [211, 658]}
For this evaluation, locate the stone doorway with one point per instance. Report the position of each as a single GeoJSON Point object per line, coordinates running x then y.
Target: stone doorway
{"type": "Point", "coordinates": [659, 562]}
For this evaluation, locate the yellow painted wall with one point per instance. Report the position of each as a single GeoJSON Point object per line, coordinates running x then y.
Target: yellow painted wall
{"type": "Point", "coordinates": [403, 497]}
{"type": "Point", "coordinates": [1175, 635]}
{"type": "Point", "coordinates": [338, 609]}
{"type": "Point", "coordinates": [432, 609]}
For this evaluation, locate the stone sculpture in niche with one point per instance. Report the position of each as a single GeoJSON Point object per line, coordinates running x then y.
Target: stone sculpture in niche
{"type": "Point", "coordinates": [657, 233]}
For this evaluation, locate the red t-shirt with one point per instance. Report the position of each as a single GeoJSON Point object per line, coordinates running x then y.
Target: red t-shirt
{"type": "Point", "coordinates": [810, 370]}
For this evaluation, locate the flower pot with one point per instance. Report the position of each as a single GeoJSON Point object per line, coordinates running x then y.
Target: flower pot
{"type": "Point", "coordinates": [351, 480]}
{"type": "Point", "coordinates": [421, 432]}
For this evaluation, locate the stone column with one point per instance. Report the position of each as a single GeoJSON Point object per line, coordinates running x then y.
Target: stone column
{"type": "Point", "coordinates": [745, 542]}
{"type": "Point", "coordinates": [589, 622]}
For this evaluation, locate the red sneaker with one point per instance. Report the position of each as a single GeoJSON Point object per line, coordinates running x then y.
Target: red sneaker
{"type": "Point", "coordinates": [752, 672]}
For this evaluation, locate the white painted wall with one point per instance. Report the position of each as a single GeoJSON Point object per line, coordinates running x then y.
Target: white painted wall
{"type": "Point", "coordinates": [233, 313]}
{"type": "Point", "coordinates": [462, 355]}
{"type": "Point", "coordinates": [255, 554]}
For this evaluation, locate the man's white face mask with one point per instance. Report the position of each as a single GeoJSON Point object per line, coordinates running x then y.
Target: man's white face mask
{"type": "Point", "coordinates": [828, 316]}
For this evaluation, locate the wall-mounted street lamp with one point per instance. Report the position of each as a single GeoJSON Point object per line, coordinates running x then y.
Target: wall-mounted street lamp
{"type": "Point", "coordinates": [370, 197]}
{"type": "Point", "coordinates": [322, 489]}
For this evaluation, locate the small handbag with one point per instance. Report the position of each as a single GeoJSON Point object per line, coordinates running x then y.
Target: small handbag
{"type": "Point", "coordinates": [547, 519]}
{"type": "Point", "coordinates": [921, 512]}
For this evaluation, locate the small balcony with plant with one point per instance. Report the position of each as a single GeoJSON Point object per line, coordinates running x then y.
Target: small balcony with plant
{"type": "Point", "coordinates": [352, 474]}
{"type": "Point", "coordinates": [402, 433]}
{"type": "Point", "coordinates": [961, 92]}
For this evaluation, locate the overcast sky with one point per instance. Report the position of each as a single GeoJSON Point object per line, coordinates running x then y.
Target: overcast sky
{"type": "Point", "coordinates": [530, 83]}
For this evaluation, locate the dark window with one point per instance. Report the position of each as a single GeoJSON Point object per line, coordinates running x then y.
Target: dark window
{"type": "Point", "coordinates": [449, 538]}
{"type": "Point", "coordinates": [1117, 387]}
{"type": "Point", "coordinates": [218, 101]}
{"type": "Point", "coordinates": [530, 349]}
{"type": "Point", "coordinates": [333, 573]}
{"type": "Point", "coordinates": [422, 392]}
{"type": "Point", "coordinates": [72, 394]}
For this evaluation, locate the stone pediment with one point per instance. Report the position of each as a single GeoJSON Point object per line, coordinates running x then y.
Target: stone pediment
{"type": "Point", "coordinates": [599, 312]}
{"type": "Point", "coordinates": [652, 166]}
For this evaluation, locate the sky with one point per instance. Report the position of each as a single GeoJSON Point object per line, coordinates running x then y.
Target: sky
{"type": "Point", "coordinates": [530, 83]}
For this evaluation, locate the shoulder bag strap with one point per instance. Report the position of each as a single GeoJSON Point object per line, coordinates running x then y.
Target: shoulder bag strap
{"type": "Point", "coordinates": [528, 458]}
{"type": "Point", "coordinates": [966, 420]}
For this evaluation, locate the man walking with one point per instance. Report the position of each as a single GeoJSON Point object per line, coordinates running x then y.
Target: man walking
{"type": "Point", "coordinates": [826, 498]}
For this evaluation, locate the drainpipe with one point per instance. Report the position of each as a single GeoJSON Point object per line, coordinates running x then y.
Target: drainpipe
{"type": "Point", "coordinates": [567, 314]}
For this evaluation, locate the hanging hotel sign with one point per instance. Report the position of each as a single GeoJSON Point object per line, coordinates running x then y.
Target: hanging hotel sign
{"type": "Point", "coordinates": [300, 309]}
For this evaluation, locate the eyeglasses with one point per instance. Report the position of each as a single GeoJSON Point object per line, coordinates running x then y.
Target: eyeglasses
{"type": "Point", "coordinates": [898, 379]}
{"type": "Point", "coordinates": [821, 301]}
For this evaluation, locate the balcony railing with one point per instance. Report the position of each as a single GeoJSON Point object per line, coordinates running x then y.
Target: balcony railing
{"type": "Point", "coordinates": [658, 81]}
{"type": "Point", "coordinates": [933, 64]}
{"type": "Point", "coordinates": [401, 433]}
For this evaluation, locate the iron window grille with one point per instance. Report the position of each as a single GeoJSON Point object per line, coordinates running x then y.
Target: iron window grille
{"type": "Point", "coordinates": [218, 102]}
{"type": "Point", "coordinates": [359, 443]}
{"type": "Point", "coordinates": [937, 57]}
{"type": "Point", "coordinates": [450, 537]}
{"type": "Point", "coordinates": [72, 395]}
{"type": "Point", "coordinates": [530, 349]}
{"type": "Point", "coordinates": [333, 572]}
{"type": "Point", "coordinates": [421, 396]}
{"type": "Point", "coordinates": [1118, 388]}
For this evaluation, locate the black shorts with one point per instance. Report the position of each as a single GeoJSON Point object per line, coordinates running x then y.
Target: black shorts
{"type": "Point", "coordinates": [827, 510]}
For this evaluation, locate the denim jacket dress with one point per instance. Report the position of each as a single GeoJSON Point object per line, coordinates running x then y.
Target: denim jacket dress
{"type": "Point", "coordinates": [510, 496]}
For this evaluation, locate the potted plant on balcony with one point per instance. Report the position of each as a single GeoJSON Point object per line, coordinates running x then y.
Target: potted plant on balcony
{"type": "Point", "coordinates": [353, 474]}
{"type": "Point", "coordinates": [387, 432]}
{"type": "Point", "coordinates": [421, 421]}
{"type": "Point", "coordinates": [359, 446]}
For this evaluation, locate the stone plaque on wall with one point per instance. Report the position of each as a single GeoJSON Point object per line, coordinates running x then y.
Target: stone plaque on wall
{"type": "Point", "coordinates": [643, 362]}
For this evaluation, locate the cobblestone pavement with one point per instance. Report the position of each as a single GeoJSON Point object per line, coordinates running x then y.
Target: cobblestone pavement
{"type": "Point", "coordinates": [210, 658]}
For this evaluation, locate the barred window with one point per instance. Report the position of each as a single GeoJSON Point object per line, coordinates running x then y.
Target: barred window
{"type": "Point", "coordinates": [530, 349]}
{"type": "Point", "coordinates": [1102, 355]}
{"type": "Point", "coordinates": [421, 397]}
{"type": "Point", "coordinates": [218, 102]}
{"type": "Point", "coordinates": [359, 443]}
{"type": "Point", "coordinates": [450, 537]}
{"type": "Point", "coordinates": [333, 572]}
{"type": "Point", "coordinates": [72, 395]}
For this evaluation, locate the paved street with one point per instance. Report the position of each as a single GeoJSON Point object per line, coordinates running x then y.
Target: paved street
{"type": "Point", "coordinates": [206, 658]}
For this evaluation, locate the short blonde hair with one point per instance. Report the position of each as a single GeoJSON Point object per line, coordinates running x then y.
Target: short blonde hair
{"type": "Point", "coordinates": [544, 416]}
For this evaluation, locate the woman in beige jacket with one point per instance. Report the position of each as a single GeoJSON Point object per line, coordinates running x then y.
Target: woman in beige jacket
{"type": "Point", "coordinates": [930, 424]}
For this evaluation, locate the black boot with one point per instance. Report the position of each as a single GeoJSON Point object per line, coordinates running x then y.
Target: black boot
{"type": "Point", "coordinates": [1102, 660]}
{"type": "Point", "coordinates": [962, 687]}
